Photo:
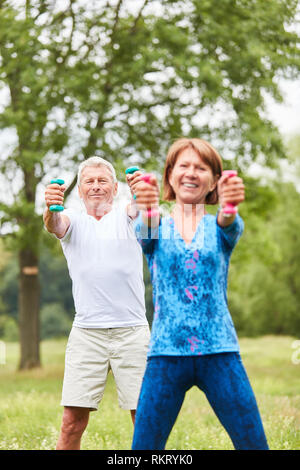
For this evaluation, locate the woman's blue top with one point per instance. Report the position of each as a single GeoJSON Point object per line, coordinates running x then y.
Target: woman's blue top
{"type": "Point", "coordinates": [191, 315]}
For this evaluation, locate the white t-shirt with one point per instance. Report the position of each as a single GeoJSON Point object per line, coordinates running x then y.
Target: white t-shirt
{"type": "Point", "coordinates": [105, 263]}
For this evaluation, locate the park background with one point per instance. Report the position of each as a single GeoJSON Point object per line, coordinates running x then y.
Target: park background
{"type": "Point", "coordinates": [122, 80]}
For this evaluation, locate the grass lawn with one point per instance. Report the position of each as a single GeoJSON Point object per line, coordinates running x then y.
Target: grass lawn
{"type": "Point", "coordinates": [30, 413]}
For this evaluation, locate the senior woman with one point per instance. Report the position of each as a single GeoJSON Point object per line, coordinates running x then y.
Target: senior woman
{"type": "Point", "coordinates": [193, 339]}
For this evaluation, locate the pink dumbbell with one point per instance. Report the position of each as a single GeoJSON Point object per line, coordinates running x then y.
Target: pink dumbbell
{"type": "Point", "coordinates": [229, 209]}
{"type": "Point", "coordinates": [150, 212]}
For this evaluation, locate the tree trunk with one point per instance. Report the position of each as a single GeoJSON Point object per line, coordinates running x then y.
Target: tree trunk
{"type": "Point", "coordinates": [29, 300]}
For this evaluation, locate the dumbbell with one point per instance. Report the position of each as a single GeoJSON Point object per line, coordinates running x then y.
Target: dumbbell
{"type": "Point", "coordinates": [150, 212]}
{"type": "Point", "coordinates": [146, 177]}
{"type": "Point", "coordinates": [130, 171]}
{"type": "Point", "coordinates": [57, 207]}
{"type": "Point", "coordinates": [229, 209]}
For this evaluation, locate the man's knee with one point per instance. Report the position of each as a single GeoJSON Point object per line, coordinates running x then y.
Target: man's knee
{"type": "Point", "coordinates": [74, 421]}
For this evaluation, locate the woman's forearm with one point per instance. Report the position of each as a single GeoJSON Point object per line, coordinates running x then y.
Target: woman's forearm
{"type": "Point", "coordinates": [225, 221]}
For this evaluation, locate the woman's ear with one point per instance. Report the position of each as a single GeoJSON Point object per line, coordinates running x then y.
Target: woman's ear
{"type": "Point", "coordinates": [215, 183]}
{"type": "Point", "coordinates": [213, 186]}
{"type": "Point", "coordinates": [169, 176]}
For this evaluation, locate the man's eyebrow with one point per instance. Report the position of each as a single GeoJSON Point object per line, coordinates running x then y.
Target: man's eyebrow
{"type": "Point", "coordinates": [96, 177]}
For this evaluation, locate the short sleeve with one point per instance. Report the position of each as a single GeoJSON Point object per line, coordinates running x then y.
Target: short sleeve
{"type": "Point", "coordinates": [73, 217]}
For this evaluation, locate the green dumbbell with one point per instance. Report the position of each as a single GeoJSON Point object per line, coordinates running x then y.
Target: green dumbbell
{"type": "Point", "coordinates": [130, 171]}
{"type": "Point", "coordinates": [56, 207]}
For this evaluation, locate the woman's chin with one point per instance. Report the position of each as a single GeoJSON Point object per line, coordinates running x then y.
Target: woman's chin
{"type": "Point", "coordinates": [189, 200]}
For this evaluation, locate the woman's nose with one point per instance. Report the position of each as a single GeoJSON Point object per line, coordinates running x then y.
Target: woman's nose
{"type": "Point", "coordinates": [190, 172]}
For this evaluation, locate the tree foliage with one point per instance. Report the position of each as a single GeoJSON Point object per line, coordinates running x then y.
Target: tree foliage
{"type": "Point", "coordinates": [101, 77]}
{"type": "Point", "coordinates": [122, 80]}
{"type": "Point", "coordinates": [265, 276]}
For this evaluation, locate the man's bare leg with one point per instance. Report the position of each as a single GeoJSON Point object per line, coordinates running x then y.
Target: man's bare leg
{"type": "Point", "coordinates": [132, 412]}
{"type": "Point", "coordinates": [74, 422]}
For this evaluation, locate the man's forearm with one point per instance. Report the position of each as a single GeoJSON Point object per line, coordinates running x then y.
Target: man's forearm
{"type": "Point", "coordinates": [55, 223]}
{"type": "Point", "coordinates": [133, 212]}
{"type": "Point", "coordinates": [150, 221]}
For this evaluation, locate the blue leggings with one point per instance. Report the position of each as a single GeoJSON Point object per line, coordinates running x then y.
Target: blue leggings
{"type": "Point", "coordinates": [224, 381]}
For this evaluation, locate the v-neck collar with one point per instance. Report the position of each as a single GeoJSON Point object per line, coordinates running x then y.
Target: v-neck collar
{"type": "Point", "coordinates": [179, 236]}
{"type": "Point", "coordinates": [98, 221]}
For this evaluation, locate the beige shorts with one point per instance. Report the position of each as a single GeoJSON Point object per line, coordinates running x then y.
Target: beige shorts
{"type": "Point", "coordinates": [91, 353]}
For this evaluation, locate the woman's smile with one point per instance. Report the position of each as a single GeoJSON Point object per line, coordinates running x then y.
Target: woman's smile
{"type": "Point", "coordinates": [190, 178]}
{"type": "Point", "coordinates": [190, 185]}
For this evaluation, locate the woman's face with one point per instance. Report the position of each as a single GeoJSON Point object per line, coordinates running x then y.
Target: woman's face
{"type": "Point", "coordinates": [191, 178]}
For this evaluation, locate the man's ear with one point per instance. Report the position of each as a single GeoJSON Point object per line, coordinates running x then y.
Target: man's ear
{"type": "Point", "coordinates": [115, 188]}
{"type": "Point", "coordinates": [79, 192]}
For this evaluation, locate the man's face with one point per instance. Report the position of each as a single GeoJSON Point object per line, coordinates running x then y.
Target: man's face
{"type": "Point", "coordinates": [96, 187]}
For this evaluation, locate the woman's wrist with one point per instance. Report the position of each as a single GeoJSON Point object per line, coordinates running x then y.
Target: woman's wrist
{"type": "Point", "coordinates": [224, 220]}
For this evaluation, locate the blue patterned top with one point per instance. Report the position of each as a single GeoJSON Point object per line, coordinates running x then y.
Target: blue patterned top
{"type": "Point", "coordinates": [191, 315]}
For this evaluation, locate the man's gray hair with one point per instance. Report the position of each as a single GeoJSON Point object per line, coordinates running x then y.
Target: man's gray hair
{"type": "Point", "coordinates": [96, 162]}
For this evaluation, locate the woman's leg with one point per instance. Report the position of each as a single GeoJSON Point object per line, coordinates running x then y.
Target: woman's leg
{"type": "Point", "coordinates": [228, 390]}
{"type": "Point", "coordinates": [163, 389]}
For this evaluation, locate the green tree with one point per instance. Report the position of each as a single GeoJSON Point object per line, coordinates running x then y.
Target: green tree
{"type": "Point", "coordinates": [264, 287]}
{"type": "Point", "coordinates": [123, 79]}
{"type": "Point", "coordinates": [54, 321]}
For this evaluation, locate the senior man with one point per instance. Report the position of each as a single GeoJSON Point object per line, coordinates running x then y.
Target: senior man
{"type": "Point", "coordinates": [110, 329]}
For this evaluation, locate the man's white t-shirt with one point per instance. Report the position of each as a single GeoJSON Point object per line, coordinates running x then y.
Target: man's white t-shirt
{"type": "Point", "coordinates": [105, 263]}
